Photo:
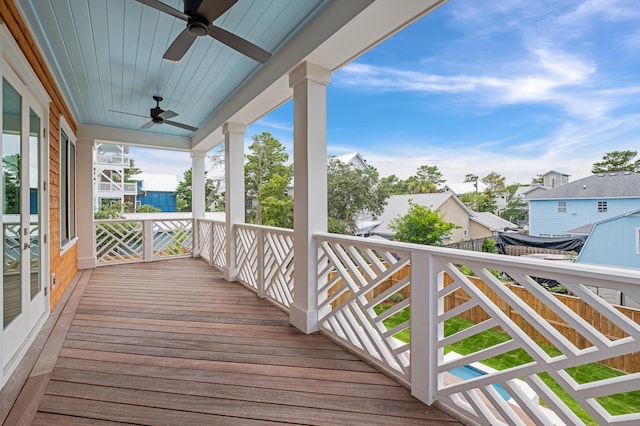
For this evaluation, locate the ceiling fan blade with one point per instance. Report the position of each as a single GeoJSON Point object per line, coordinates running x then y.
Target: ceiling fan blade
{"type": "Point", "coordinates": [147, 125]}
{"type": "Point", "coordinates": [128, 113]}
{"type": "Point", "coordinates": [181, 125]}
{"type": "Point", "coordinates": [180, 45]}
{"type": "Point", "coordinates": [165, 115]}
{"type": "Point", "coordinates": [158, 5]}
{"type": "Point", "coordinates": [213, 9]}
{"type": "Point", "coordinates": [238, 43]}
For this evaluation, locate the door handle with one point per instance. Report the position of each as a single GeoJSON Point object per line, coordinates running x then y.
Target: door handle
{"type": "Point", "coordinates": [26, 246]}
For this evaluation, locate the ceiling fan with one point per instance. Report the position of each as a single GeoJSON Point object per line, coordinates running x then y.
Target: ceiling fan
{"type": "Point", "coordinates": [159, 116]}
{"type": "Point", "coordinates": [199, 15]}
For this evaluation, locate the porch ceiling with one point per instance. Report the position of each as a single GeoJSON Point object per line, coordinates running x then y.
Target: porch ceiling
{"type": "Point", "coordinates": [107, 55]}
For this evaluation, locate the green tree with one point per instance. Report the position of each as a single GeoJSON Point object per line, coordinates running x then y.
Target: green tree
{"type": "Point", "coordinates": [352, 191]}
{"type": "Point", "coordinates": [266, 161]}
{"type": "Point", "coordinates": [110, 210]}
{"type": "Point", "coordinates": [495, 183]}
{"type": "Point", "coordinates": [470, 177]}
{"type": "Point", "coordinates": [426, 180]}
{"type": "Point", "coordinates": [184, 193]}
{"type": "Point", "coordinates": [516, 207]}
{"type": "Point", "coordinates": [277, 205]}
{"type": "Point", "coordinates": [11, 174]}
{"type": "Point", "coordinates": [538, 180]}
{"type": "Point", "coordinates": [147, 208]}
{"type": "Point", "coordinates": [421, 225]}
{"type": "Point", "coordinates": [394, 184]}
{"type": "Point", "coordinates": [131, 171]}
{"type": "Point", "coordinates": [617, 161]}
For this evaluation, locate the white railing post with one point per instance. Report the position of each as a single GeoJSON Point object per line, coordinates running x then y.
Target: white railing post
{"type": "Point", "coordinates": [147, 240]}
{"type": "Point", "coordinates": [424, 322]}
{"type": "Point", "coordinates": [260, 236]}
{"type": "Point", "coordinates": [212, 246]}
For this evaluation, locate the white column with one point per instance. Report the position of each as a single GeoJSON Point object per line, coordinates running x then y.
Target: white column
{"type": "Point", "coordinates": [198, 198]}
{"type": "Point", "coordinates": [84, 204]}
{"type": "Point", "coordinates": [309, 83]}
{"type": "Point", "coordinates": [234, 190]}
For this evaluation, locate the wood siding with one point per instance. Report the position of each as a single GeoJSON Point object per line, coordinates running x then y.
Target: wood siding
{"type": "Point", "coordinates": [65, 265]}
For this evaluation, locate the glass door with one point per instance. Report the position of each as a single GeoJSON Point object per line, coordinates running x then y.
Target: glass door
{"type": "Point", "coordinates": [23, 296]}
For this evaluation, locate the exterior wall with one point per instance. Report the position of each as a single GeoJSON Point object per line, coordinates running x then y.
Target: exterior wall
{"type": "Point", "coordinates": [453, 212]}
{"type": "Point", "coordinates": [477, 231]}
{"type": "Point", "coordinates": [166, 201]}
{"type": "Point", "coordinates": [553, 179]}
{"type": "Point", "coordinates": [545, 219]}
{"type": "Point", "coordinates": [613, 243]}
{"type": "Point", "coordinates": [64, 265]}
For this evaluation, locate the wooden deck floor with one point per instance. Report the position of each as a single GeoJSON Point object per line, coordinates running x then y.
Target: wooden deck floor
{"type": "Point", "coordinates": [173, 343]}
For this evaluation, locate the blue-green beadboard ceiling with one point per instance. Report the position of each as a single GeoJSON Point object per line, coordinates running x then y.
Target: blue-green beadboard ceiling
{"type": "Point", "coordinates": [107, 55]}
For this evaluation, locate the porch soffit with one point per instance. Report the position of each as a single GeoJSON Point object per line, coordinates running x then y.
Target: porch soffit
{"type": "Point", "coordinates": [110, 58]}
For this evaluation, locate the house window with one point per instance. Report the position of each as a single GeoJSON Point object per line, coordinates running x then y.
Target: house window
{"type": "Point", "coordinates": [67, 186]}
{"type": "Point", "coordinates": [602, 206]}
{"type": "Point", "coordinates": [562, 206]}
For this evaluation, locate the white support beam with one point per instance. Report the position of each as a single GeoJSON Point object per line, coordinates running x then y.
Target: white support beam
{"type": "Point", "coordinates": [139, 138]}
{"type": "Point", "coordinates": [234, 190]}
{"type": "Point", "coordinates": [84, 204]}
{"type": "Point", "coordinates": [309, 82]}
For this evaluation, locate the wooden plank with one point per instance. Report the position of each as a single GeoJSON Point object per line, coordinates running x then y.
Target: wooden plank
{"type": "Point", "coordinates": [228, 407]}
{"type": "Point", "coordinates": [247, 393]}
{"type": "Point", "coordinates": [390, 391]}
{"type": "Point", "coordinates": [189, 365]}
{"type": "Point", "coordinates": [127, 413]}
{"type": "Point", "coordinates": [48, 419]}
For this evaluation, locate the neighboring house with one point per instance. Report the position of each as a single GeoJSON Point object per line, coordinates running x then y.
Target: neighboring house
{"type": "Point", "coordinates": [588, 200]}
{"type": "Point", "coordinates": [614, 242]}
{"type": "Point", "coordinates": [157, 190]}
{"type": "Point", "coordinates": [486, 224]}
{"type": "Point", "coordinates": [111, 165]}
{"type": "Point", "coordinates": [354, 159]}
{"type": "Point", "coordinates": [552, 179]}
{"type": "Point", "coordinates": [446, 203]}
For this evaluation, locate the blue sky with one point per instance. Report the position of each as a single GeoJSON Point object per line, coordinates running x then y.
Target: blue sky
{"type": "Point", "coordinates": [515, 87]}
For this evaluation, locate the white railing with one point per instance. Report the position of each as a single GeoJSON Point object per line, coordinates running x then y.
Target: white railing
{"type": "Point", "coordinates": [126, 241]}
{"type": "Point", "coordinates": [118, 160]}
{"type": "Point", "coordinates": [352, 305]}
{"type": "Point", "coordinates": [213, 241]}
{"type": "Point", "coordinates": [264, 258]}
{"type": "Point", "coordinates": [127, 187]}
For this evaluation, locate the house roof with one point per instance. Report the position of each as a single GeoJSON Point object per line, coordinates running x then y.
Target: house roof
{"type": "Point", "coordinates": [581, 230]}
{"type": "Point", "coordinates": [556, 172]}
{"type": "Point", "coordinates": [354, 158]}
{"type": "Point", "coordinates": [398, 205]}
{"type": "Point", "coordinates": [603, 185]}
{"type": "Point", "coordinates": [157, 182]}
{"type": "Point", "coordinates": [492, 222]}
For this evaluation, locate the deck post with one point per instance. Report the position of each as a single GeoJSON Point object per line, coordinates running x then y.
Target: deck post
{"type": "Point", "coordinates": [424, 327]}
{"type": "Point", "coordinates": [309, 82]}
{"type": "Point", "coordinates": [234, 190]}
{"type": "Point", "coordinates": [84, 204]}
{"type": "Point", "coordinates": [198, 195]}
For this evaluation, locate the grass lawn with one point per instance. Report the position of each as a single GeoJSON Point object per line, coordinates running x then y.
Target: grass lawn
{"type": "Point", "coordinates": [623, 403]}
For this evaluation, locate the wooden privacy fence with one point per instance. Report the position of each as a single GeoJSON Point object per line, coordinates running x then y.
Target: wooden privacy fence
{"type": "Point", "coordinates": [629, 363]}
{"type": "Point", "coordinates": [522, 250]}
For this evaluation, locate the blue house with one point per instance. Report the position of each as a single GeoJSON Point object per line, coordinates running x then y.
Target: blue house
{"type": "Point", "coordinates": [614, 242]}
{"type": "Point", "coordinates": [157, 190]}
{"type": "Point", "coordinates": [589, 200]}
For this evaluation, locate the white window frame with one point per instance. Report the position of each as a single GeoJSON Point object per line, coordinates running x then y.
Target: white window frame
{"type": "Point", "coordinates": [637, 240]}
{"type": "Point", "coordinates": [602, 207]}
{"type": "Point", "coordinates": [562, 206]}
{"type": "Point", "coordinates": [67, 241]}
